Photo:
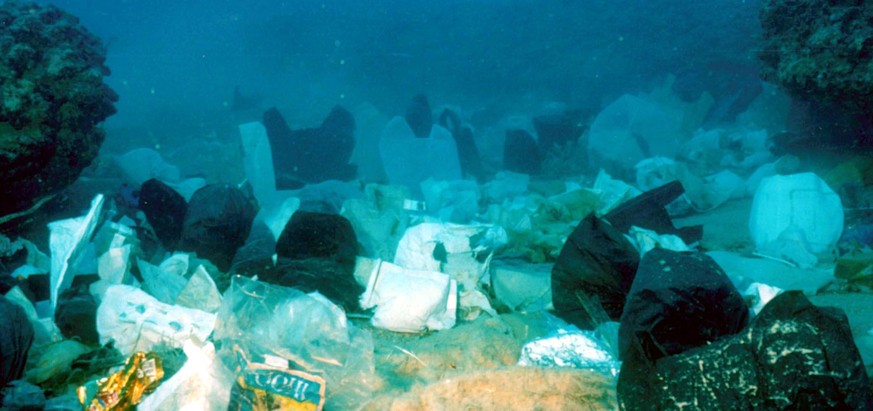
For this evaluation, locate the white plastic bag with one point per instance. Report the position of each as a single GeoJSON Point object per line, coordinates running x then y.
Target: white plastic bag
{"type": "Point", "coordinates": [802, 204]}
{"type": "Point", "coordinates": [410, 300]}
{"type": "Point", "coordinates": [138, 321]}
{"type": "Point", "coordinates": [68, 241]}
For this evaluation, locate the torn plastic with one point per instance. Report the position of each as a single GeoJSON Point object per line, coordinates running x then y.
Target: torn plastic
{"type": "Point", "coordinates": [578, 202]}
{"type": "Point", "coordinates": [426, 246]}
{"type": "Point", "coordinates": [648, 211]}
{"type": "Point", "coordinates": [379, 219]}
{"type": "Point", "coordinates": [137, 321]}
{"type": "Point", "coordinates": [68, 240]}
{"type": "Point", "coordinates": [646, 240]}
{"type": "Point", "coordinates": [407, 300]}
{"type": "Point", "coordinates": [170, 283]}
{"type": "Point", "coordinates": [36, 261]}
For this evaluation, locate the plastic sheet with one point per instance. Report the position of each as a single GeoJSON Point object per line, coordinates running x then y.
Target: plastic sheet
{"type": "Point", "coordinates": [68, 240]}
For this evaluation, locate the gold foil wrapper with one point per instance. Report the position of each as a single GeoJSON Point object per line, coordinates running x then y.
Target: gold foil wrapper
{"type": "Point", "coordinates": [142, 373]}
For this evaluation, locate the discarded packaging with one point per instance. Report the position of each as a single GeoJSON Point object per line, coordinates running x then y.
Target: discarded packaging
{"type": "Point", "coordinates": [125, 389]}
{"type": "Point", "coordinates": [203, 383]}
{"type": "Point", "coordinates": [68, 241]}
{"type": "Point", "coordinates": [410, 300]}
{"type": "Point", "coordinates": [379, 219]}
{"type": "Point", "coordinates": [570, 347]}
{"type": "Point", "coordinates": [426, 246]}
{"type": "Point", "coordinates": [282, 326]}
{"type": "Point", "coordinates": [269, 384]}
{"type": "Point", "coordinates": [138, 321]}
{"type": "Point", "coordinates": [802, 202]}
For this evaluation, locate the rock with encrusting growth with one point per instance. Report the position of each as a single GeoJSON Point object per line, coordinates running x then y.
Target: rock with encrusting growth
{"type": "Point", "coordinates": [54, 98]}
{"type": "Point", "coordinates": [820, 49]}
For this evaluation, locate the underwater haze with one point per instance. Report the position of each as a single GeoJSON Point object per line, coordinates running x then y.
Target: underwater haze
{"type": "Point", "coordinates": [179, 61]}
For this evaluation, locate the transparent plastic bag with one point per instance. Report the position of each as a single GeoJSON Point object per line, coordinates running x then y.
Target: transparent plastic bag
{"type": "Point", "coordinates": [262, 325]}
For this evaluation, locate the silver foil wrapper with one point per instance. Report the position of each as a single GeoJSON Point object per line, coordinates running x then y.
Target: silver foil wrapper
{"type": "Point", "coordinates": [571, 347]}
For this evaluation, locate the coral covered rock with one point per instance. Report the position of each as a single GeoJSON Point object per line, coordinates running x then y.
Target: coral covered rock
{"type": "Point", "coordinates": [820, 49]}
{"type": "Point", "coordinates": [53, 100]}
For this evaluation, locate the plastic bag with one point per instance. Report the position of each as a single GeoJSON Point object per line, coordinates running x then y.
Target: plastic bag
{"type": "Point", "coordinates": [259, 323]}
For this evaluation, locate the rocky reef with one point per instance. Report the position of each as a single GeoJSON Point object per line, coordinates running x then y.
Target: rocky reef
{"type": "Point", "coordinates": [820, 50]}
{"type": "Point", "coordinates": [53, 102]}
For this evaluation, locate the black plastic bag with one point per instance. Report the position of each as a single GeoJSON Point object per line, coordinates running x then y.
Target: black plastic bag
{"type": "Point", "coordinates": [16, 336]}
{"type": "Point", "coordinates": [793, 356]}
{"type": "Point", "coordinates": [165, 211]}
{"type": "Point", "coordinates": [217, 223]}
{"type": "Point", "coordinates": [594, 272]}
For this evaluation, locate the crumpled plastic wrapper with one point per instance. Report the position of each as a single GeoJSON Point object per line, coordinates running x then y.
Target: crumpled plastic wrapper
{"type": "Point", "coordinates": [142, 373]}
{"type": "Point", "coordinates": [571, 347]}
